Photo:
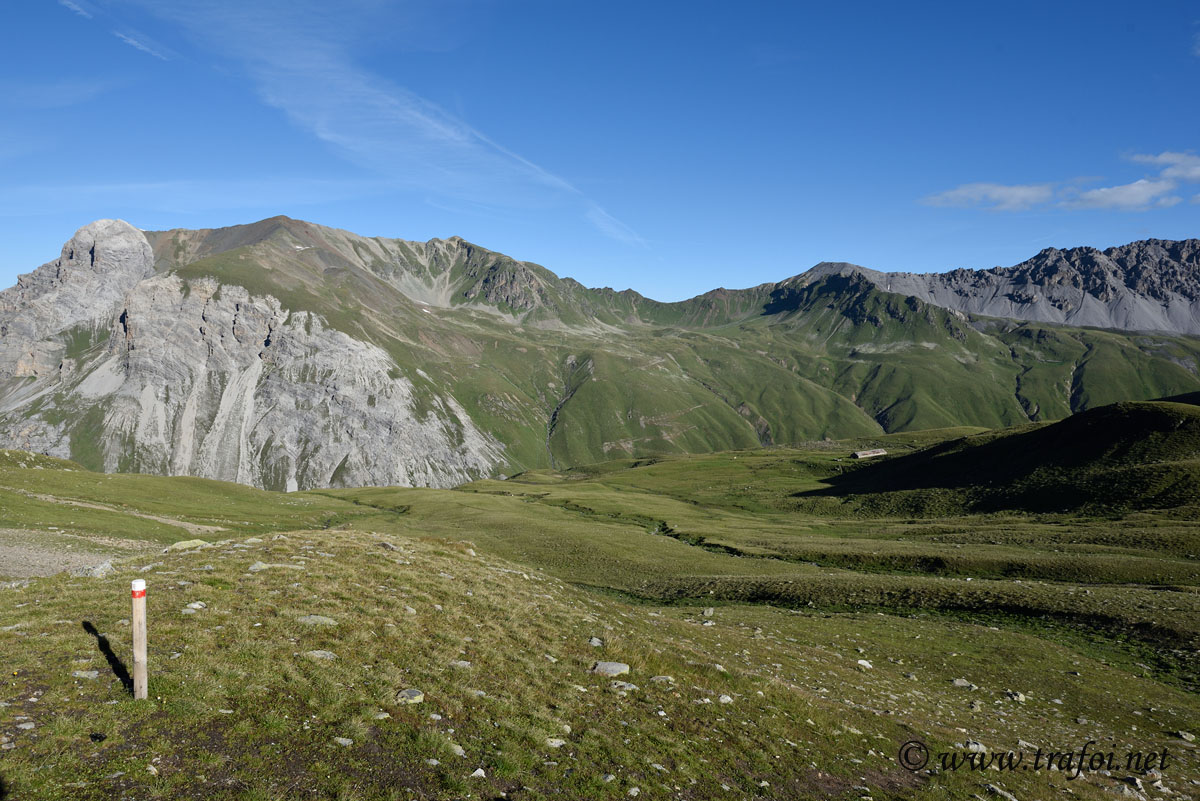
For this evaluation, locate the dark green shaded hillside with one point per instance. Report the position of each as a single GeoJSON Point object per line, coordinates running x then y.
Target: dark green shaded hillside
{"type": "Point", "coordinates": [1119, 457]}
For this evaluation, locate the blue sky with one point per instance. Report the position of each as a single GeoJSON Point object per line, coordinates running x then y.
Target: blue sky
{"type": "Point", "coordinates": [670, 147]}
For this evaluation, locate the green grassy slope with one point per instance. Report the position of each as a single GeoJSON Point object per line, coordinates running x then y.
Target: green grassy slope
{"type": "Point", "coordinates": [248, 702]}
{"type": "Point", "coordinates": [565, 375]}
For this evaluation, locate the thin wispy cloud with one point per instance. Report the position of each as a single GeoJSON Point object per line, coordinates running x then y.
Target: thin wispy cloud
{"type": "Point", "coordinates": [139, 44]}
{"type": "Point", "coordinates": [78, 9]}
{"type": "Point", "coordinates": [1157, 191]}
{"type": "Point", "coordinates": [1196, 45]}
{"type": "Point", "coordinates": [613, 228]}
{"type": "Point", "coordinates": [299, 57]}
{"type": "Point", "coordinates": [1002, 197]}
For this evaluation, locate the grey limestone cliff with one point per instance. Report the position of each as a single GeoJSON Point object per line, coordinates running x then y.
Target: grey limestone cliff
{"type": "Point", "coordinates": [100, 357]}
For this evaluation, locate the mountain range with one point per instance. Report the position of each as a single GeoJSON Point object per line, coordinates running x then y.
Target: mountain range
{"type": "Point", "coordinates": [288, 355]}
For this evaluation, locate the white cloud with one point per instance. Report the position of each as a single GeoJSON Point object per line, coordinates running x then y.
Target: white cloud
{"type": "Point", "coordinates": [1196, 45]}
{"type": "Point", "coordinates": [1140, 194]}
{"type": "Point", "coordinates": [1180, 166]}
{"type": "Point", "coordinates": [1001, 197]}
{"type": "Point", "coordinates": [1153, 192]}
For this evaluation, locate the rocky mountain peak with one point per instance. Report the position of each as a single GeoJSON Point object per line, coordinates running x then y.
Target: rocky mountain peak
{"type": "Point", "coordinates": [98, 266]}
{"type": "Point", "coordinates": [103, 247]}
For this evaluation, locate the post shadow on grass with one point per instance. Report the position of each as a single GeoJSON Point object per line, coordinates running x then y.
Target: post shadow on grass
{"type": "Point", "coordinates": [114, 661]}
{"type": "Point", "coordinates": [3, 789]}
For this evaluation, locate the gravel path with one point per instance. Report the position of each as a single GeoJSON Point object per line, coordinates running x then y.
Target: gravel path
{"type": "Point", "coordinates": [25, 553]}
{"type": "Point", "coordinates": [23, 561]}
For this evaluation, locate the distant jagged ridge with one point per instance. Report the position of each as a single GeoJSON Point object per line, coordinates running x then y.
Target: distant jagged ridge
{"type": "Point", "coordinates": [1152, 285]}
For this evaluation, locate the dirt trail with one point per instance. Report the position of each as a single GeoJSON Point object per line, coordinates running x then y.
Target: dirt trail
{"type": "Point", "coordinates": [25, 561]}
{"type": "Point", "coordinates": [191, 528]}
{"type": "Point", "coordinates": [30, 552]}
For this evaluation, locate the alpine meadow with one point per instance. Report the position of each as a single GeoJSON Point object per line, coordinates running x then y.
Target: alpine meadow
{"type": "Point", "coordinates": [290, 511]}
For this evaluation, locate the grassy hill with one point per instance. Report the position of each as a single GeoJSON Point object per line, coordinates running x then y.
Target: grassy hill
{"type": "Point", "coordinates": [755, 579]}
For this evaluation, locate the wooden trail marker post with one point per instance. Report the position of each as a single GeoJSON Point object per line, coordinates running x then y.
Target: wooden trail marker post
{"type": "Point", "coordinates": [139, 639]}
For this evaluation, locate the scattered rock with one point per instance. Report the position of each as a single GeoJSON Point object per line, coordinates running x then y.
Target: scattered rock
{"type": "Point", "coordinates": [478, 774]}
{"type": "Point", "coordinates": [327, 656]}
{"type": "Point", "coordinates": [86, 674]}
{"type": "Point", "coordinates": [460, 663]}
{"type": "Point", "coordinates": [725, 699]}
{"type": "Point", "coordinates": [316, 620]}
{"type": "Point", "coordinates": [343, 741]}
{"type": "Point", "coordinates": [864, 664]}
{"type": "Point", "coordinates": [709, 612]}
{"type": "Point", "coordinates": [457, 750]}
{"type": "Point", "coordinates": [408, 610]}
{"type": "Point", "coordinates": [596, 642]}
{"type": "Point", "coordinates": [994, 790]}
{"type": "Point", "coordinates": [382, 716]}
{"type": "Point", "coordinates": [197, 605]}
{"type": "Point", "coordinates": [1188, 736]}
{"type": "Point", "coordinates": [258, 567]}
{"type": "Point", "coordinates": [186, 545]}
{"type": "Point", "coordinates": [410, 696]}
{"type": "Point", "coordinates": [610, 668]}
{"type": "Point", "coordinates": [663, 679]}
{"type": "Point", "coordinates": [964, 683]}
{"type": "Point", "coordinates": [555, 742]}
{"type": "Point", "coordinates": [101, 570]}
{"type": "Point", "coordinates": [1013, 695]}
{"type": "Point", "coordinates": [623, 686]}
